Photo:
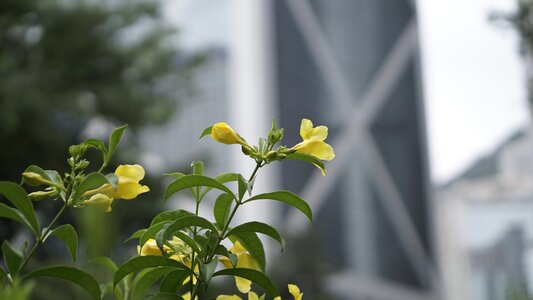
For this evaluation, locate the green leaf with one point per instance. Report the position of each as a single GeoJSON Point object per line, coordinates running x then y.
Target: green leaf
{"type": "Point", "coordinates": [308, 158]}
{"type": "Point", "coordinates": [286, 197]}
{"type": "Point", "coordinates": [207, 270]}
{"type": "Point", "coordinates": [114, 140]}
{"type": "Point", "coordinates": [170, 216]}
{"type": "Point", "coordinates": [54, 176]}
{"type": "Point", "coordinates": [90, 182]}
{"type": "Point", "coordinates": [206, 131]}
{"type": "Point", "coordinates": [222, 178]}
{"type": "Point", "coordinates": [105, 262]}
{"type": "Point", "coordinates": [97, 144]}
{"type": "Point", "coordinates": [243, 186]}
{"type": "Point", "coordinates": [192, 181]}
{"type": "Point", "coordinates": [67, 234]}
{"type": "Point", "coordinates": [173, 281]}
{"type": "Point", "coordinates": [166, 296]}
{"type": "Point", "coordinates": [187, 240]}
{"type": "Point", "coordinates": [3, 275]}
{"type": "Point", "coordinates": [71, 274]}
{"type": "Point", "coordinates": [176, 175]}
{"type": "Point", "coordinates": [256, 277]}
{"type": "Point", "coordinates": [12, 258]}
{"type": "Point", "coordinates": [143, 262]}
{"type": "Point", "coordinates": [202, 243]}
{"type": "Point", "coordinates": [136, 235]}
{"type": "Point", "coordinates": [146, 280]}
{"type": "Point", "coordinates": [151, 232]}
{"type": "Point", "coordinates": [253, 244]}
{"type": "Point", "coordinates": [13, 214]}
{"type": "Point", "coordinates": [181, 223]}
{"type": "Point", "coordinates": [18, 197]}
{"type": "Point", "coordinates": [221, 209]}
{"type": "Point", "coordinates": [261, 228]}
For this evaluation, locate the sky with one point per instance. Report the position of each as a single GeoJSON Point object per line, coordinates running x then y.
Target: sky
{"type": "Point", "coordinates": [473, 75]}
{"type": "Point", "coordinates": [474, 82]}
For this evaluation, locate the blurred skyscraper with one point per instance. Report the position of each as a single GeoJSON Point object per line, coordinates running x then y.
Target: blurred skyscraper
{"type": "Point", "coordinates": [354, 64]}
{"type": "Point", "coordinates": [351, 65]}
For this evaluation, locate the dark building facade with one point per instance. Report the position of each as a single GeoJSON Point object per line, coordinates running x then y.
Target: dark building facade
{"type": "Point", "coordinates": [354, 65]}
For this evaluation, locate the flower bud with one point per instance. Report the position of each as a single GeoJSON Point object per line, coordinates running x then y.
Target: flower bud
{"type": "Point", "coordinates": [275, 134]}
{"type": "Point", "coordinates": [35, 179]}
{"type": "Point", "coordinates": [82, 164]}
{"type": "Point", "coordinates": [101, 201]}
{"type": "Point", "coordinates": [40, 195]}
{"type": "Point", "coordinates": [223, 133]}
{"type": "Point", "coordinates": [77, 150]}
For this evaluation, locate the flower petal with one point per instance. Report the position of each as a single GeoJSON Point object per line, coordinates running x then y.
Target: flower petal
{"type": "Point", "coordinates": [223, 133]}
{"type": "Point", "coordinates": [295, 292]}
{"type": "Point", "coordinates": [252, 296]}
{"type": "Point", "coordinates": [238, 248]}
{"type": "Point", "coordinates": [247, 261]}
{"type": "Point", "coordinates": [318, 149]}
{"type": "Point", "coordinates": [226, 262]}
{"type": "Point", "coordinates": [243, 285]}
{"type": "Point", "coordinates": [130, 173]}
{"type": "Point", "coordinates": [150, 248]}
{"type": "Point", "coordinates": [101, 201]}
{"type": "Point", "coordinates": [319, 133]}
{"type": "Point", "coordinates": [130, 190]}
{"type": "Point", "coordinates": [228, 297]}
{"type": "Point", "coordinates": [305, 128]}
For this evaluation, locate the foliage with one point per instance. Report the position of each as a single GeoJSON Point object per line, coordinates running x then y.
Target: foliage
{"type": "Point", "coordinates": [65, 64]}
{"type": "Point", "coordinates": [180, 249]}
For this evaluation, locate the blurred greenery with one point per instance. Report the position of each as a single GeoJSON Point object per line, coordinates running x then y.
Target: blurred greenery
{"type": "Point", "coordinates": [522, 21]}
{"type": "Point", "coordinates": [72, 69]}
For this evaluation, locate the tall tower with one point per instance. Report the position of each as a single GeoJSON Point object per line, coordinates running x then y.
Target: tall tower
{"type": "Point", "coordinates": [354, 65]}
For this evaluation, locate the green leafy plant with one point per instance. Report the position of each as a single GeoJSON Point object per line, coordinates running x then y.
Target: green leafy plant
{"type": "Point", "coordinates": [180, 249]}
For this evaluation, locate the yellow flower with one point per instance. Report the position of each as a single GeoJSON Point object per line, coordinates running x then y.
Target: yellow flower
{"type": "Point", "coordinates": [228, 297]}
{"type": "Point", "coordinates": [244, 260]}
{"type": "Point", "coordinates": [313, 141]}
{"type": "Point", "coordinates": [253, 296]}
{"type": "Point", "coordinates": [295, 292]}
{"type": "Point", "coordinates": [187, 296]}
{"type": "Point", "coordinates": [101, 201]}
{"type": "Point", "coordinates": [128, 186]}
{"type": "Point", "coordinates": [223, 133]}
{"type": "Point", "coordinates": [150, 248]}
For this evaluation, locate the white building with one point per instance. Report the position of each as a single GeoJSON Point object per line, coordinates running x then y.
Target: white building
{"type": "Point", "coordinates": [485, 225]}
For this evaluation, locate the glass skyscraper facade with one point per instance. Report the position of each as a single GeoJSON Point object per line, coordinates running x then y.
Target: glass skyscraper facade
{"type": "Point", "coordinates": [356, 231]}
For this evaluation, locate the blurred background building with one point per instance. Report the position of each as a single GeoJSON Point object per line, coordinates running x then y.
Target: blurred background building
{"type": "Point", "coordinates": [354, 66]}
{"type": "Point", "coordinates": [485, 225]}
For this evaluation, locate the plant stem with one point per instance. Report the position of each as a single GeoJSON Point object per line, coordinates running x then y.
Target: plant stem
{"type": "Point", "coordinates": [195, 290]}
{"type": "Point", "coordinates": [194, 287]}
{"type": "Point", "coordinates": [40, 240]}
{"type": "Point", "coordinates": [257, 166]}
{"type": "Point", "coordinates": [232, 214]}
